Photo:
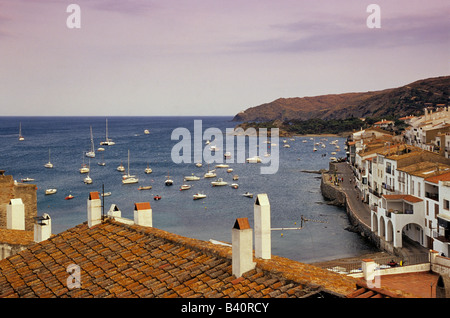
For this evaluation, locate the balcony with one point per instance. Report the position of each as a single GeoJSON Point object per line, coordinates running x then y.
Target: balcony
{"type": "Point", "coordinates": [433, 196]}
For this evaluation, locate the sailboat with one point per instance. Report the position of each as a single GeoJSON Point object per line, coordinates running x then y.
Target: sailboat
{"type": "Point", "coordinates": [84, 168]}
{"type": "Point", "coordinates": [102, 163]}
{"type": "Point", "coordinates": [88, 179]}
{"type": "Point", "coordinates": [107, 142]}
{"type": "Point", "coordinates": [121, 168]}
{"type": "Point", "coordinates": [168, 181]}
{"type": "Point", "coordinates": [91, 154]}
{"type": "Point", "coordinates": [129, 179]}
{"type": "Point", "coordinates": [314, 147]}
{"type": "Point", "coordinates": [148, 169]}
{"type": "Point", "coordinates": [49, 164]}
{"type": "Point", "coordinates": [21, 138]}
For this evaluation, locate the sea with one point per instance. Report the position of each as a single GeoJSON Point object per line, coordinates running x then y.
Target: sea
{"type": "Point", "coordinates": [293, 194]}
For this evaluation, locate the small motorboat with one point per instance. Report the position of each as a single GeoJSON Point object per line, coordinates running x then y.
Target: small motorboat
{"type": "Point", "coordinates": [235, 177]}
{"type": "Point", "coordinates": [27, 179]}
{"type": "Point", "coordinates": [219, 182]}
{"type": "Point", "coordinates": [145, 187]}
{"type": "Point", "coordinates": [50, 191]}
{"type": "Point", "coordinates": [235, 185]}
{"type": "Point", "coordinates": [157, 197]}
{"type": "Point", "coordinates": [254, 159]}
{"type": "Point", "coordinates": [222, 165]}
{"type": "Point", "coordinates": [69, 197]}
{"type": "Point", "coordinates": [229, 170]}
{"type": "Point", "coordinates": [106, 194]}
{"type": "Point", "coordinates": [191, 178]}
{"type": "Point", "coordinates": [248, 195]}
{"type": "Point", "coordinates": [198, 164]}
{"type": "Point", "coordinates": [185, 187]}
{"type": "Point", "coordinates": [210, 174]}
{"type": "Point", "coordinates": [199, 196]}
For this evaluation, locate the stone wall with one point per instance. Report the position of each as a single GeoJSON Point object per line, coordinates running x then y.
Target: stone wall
{"type": "Point", "coordinates": [27, 192]}
{"type": "Point", "coordinates": [338, 197]}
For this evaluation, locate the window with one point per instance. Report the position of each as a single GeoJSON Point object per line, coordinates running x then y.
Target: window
{"type": "Point", "coordinates": [446, 204]}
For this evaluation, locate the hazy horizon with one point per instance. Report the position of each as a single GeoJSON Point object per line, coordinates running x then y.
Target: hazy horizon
{"type": "Point", "coordinates": [209, 58]}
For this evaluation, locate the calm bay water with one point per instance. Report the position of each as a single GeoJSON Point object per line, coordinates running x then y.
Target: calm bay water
{"type": "Point", "coordinates": [291, 192]}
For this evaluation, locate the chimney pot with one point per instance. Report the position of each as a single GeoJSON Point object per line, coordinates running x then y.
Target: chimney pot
{"type": "Point", "coordinates": [368, 268]}
{"type": "Point", "coordinates": [15, 215]}
{"type": "Point", "coordinates": [42, 228]}
{"type": "Point", "coordinates": [114, 211]}
{"type": "Point", "coordinates": [263, 248]}
{"type": "Point", "coordinates": [242, 247]}
{"type": "Point", "coordinates": [143, 214]}
{"type": "Point", "coordinates": [94, 209]}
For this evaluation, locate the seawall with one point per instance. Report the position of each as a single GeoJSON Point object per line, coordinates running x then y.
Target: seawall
{"type": "Point", "coordinates": [338, 197]}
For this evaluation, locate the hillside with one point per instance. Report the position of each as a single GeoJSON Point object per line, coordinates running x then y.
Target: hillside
{"type": "Point", "coordinates": [397, 102]}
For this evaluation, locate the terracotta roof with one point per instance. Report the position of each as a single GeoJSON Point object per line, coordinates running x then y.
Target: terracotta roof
{"type": "Point", "coordinates": [94, 196]}
{"type": "Point", "coordinates": [406, 197]}
{"type": "Point", "coordinates": [16, 237]}
{"type": "Point", "coordinates": [363, 291]}
{"type": "Point", "coordinates": [142, 206]}
{"type": "Point", "coordinates": [118, 260]}
{"type": "Point", "coordinates": [437, 178]}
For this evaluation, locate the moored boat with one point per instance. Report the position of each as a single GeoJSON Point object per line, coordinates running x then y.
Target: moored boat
{"type": "Point", "coordinates": [219, 182]}
{"type": "Point", "coordinates": [185, 187]}
{"type": "Point", "coordinates": [199, 196]}
{"type": "Point", "coordinates": [51, 191]}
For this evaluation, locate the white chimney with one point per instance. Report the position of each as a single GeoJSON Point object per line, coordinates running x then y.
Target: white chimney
{"type": "Point", "coordinates": [368, 268]}
{"type": "Point", "coordinates": [143, 214]}
{"type": "Point", "coordinates": [94, 209]}
{"type": "Point", "coordinates": [242, 247]}
{"type": "Point", "coordinates": [15, 215]}
{"type": "Point", "coordinates": [261, 209]}
{"type": "Point", "coordinates": [42, 228]}
{"type": "Point", "coordinates": [114, 211]}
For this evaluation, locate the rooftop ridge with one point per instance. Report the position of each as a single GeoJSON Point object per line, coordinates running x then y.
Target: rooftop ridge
{"type": "Point", "coordinates": [128, 260]}
{"type": "Point", "coordinates": [282, 267]}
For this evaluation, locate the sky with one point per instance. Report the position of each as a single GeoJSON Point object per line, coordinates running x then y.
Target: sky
{"type": "Point", "coordinates": [209, 57]}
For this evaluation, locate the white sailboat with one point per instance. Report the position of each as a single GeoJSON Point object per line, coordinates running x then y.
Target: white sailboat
{"type": "Point", "coordinates": [21, 138]}
{"type": "Point", "coordinates": [148, 169]}
{"type": "Point", "coordinates": [91, 153]}
{"type": "Point", "coordinates": [107, 142]}
{"type": "Point", "coordinates": [102, 163]}
{"type": "Point", "coordinates": [49, 164]}
{"type": "Point", "coordinates": [129, 179]}
{"type": "Point", "coordinates": [88, 179]}
{"type": "Point", "coordinates": [84, 168]}
{"type": "Point", "coordinates": [121, 168]}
